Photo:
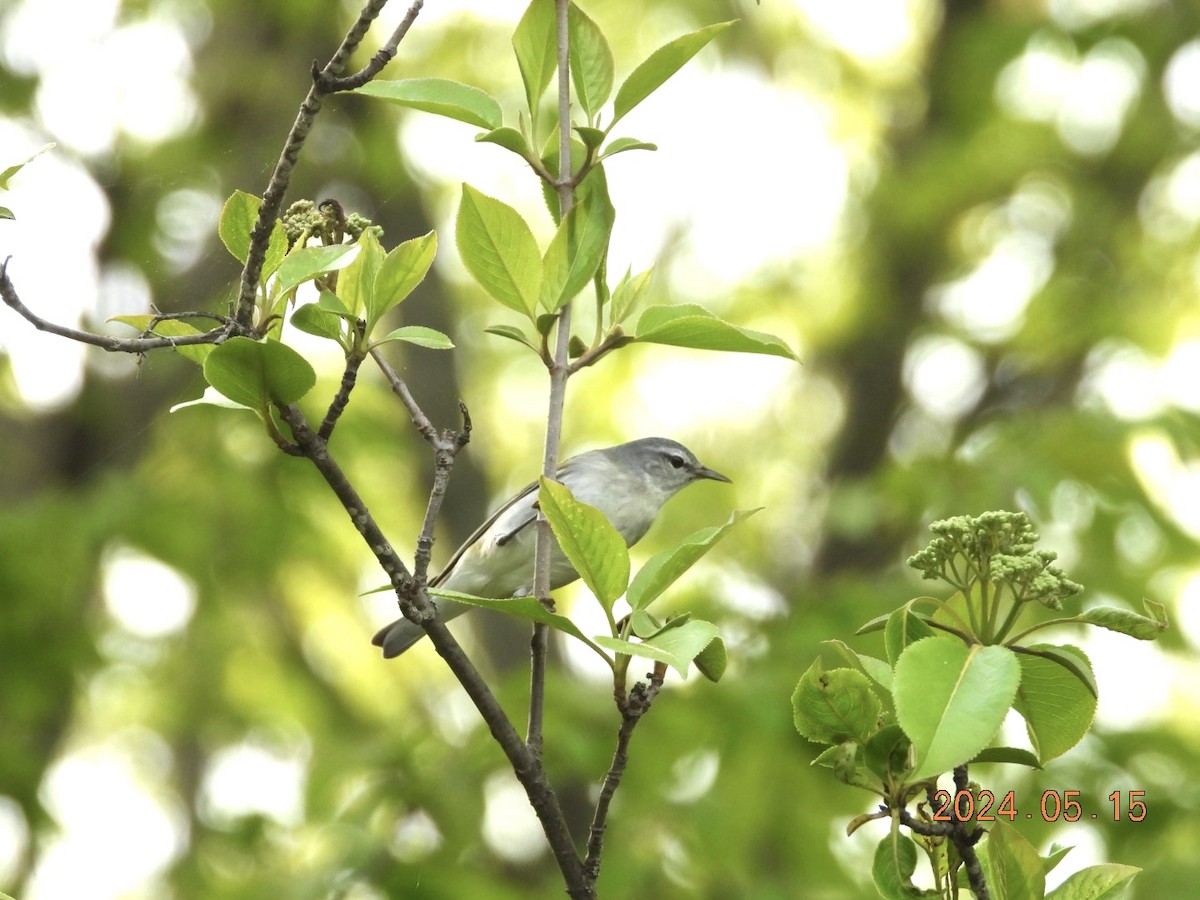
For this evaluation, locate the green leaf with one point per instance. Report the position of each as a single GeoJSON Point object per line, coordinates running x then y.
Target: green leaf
{"type": "Point", "coordinates": [1126, 621]}
{"type": "Point", "coordinates": [6, 213]}
{"type": "Point", "coordinates": [311, 319]}
{"type": "Point", "coordinates": [1018, 756]}
{"type": "Point", "coordinates": [951, 699]}
{"type": "Point", "coordinates": [1104, 882]}
{"type": "Point", "coordinates": [419, 335]}
{"type": "Point", "coordinates": [887, 752]}
{"type": "Point", "coordinates": [591, 62]}
{"type": "Point", "coordinates": [13, 170]}
{"type": "Point", "coordinates": [620, 145]}
{"type": "Point", "coordinates": [527, 608]}
{"type": "Point", "coordinates": [441, 97]}
{"type": "Point", "coordinates": [903, 627]}
{"type": "Point", "coordinates": [663, 569]}
{"type": "Point", "coordinates": [535, 43]}
{"type": "Point", "coordinates": [576, 251]}
{"type": "Point", "coordinates": [1054, 856]}
{"type": "Point", "coordinates": [1068, 660]}
{"type": "Point", "coordinates": [834, 706]}
{"type": "Point", "coordinates": [625, 298]}
{"type": "Point", "coordinates": [1057, 707]}
{"type": "Point", "coordinates": [689, 325]}
{"type": "Point", "coordinates": [660, 65]}
{"type": "Point", "coordinates": [307, 263]}
{"type": "Point", "coordinates": [356, 285]}
{"type": "Point", "coordinates": [498, 249]}
{"type": "Point", "coordinates": [509, 139]}
{"type": "Point", "coordinates": [197, 353]}
{"type": "Point", "coordinates": [257, 373]}
{"type": "Point", "coordinates": [238, 216]}
{"type": "Point", "coordinates": [676, 647]}
{"type": "Point", "coordinates": [875, 669]}
{"type": "Point", "coordinates": [513, 334]}
{"type": "Point", "coordinates": [712, 660]}
{"type": "Point", "coordinates": [1012, 867]}
{"type": "Point", "coordinates": [893, 866]}
{"type": "Point", "coordinates": [399, 273]}
{"type": "Point", "coordinates": [591, 137]}
{"type": "Point", "coordinates": [595, 548]}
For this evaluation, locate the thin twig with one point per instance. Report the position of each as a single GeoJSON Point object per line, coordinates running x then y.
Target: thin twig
{"type": "Point", "coordinates": [106, 342]}
{"type": "Point", "coordinates": [400, 389]}
{"type": "Point", "coordinates": [559, 373]}
{"type": "Point", "coordinates": [272, 199]}
{"type": "Point", "coordinates": [639, 701]}
{"type": "Point", "coordinates": [385, 54]}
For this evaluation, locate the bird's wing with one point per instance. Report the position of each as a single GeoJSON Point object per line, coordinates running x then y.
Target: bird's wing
{"type": "Point", "coordinates": [479, 532]}
{"type": "Point", "coordinates": [515, 528]}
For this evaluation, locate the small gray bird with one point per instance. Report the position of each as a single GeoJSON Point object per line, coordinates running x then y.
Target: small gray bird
{"type": "Point", "coordinates": [629, 483]}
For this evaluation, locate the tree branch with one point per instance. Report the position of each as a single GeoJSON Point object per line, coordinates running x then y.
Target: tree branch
{"type": "Point", "coordinates": [415, 604]}
{"type": "Point", "coordinates": [106, 342]}
{"type": "Point", "coordinates": [272, 198]}
{"type": "Point", "coordinates": [635, 707]}
{"type": "Point", "coordinates": [331, 84]}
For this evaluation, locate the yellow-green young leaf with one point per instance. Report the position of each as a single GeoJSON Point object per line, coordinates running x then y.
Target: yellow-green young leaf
{"type": "Point", "coordinates": [13, 170]}
{"type": "Point", "coordinates": [509, 139]}
{"type": "Point", "coordinates": [591, 61]}
{"type": "Point", "coordinates": [689, 325]}
{"type": "Point", "coordinates": [620, 145]}
{"type": "Point", "coordinates": [257, 373]}
{"type": "Point", "coordinates": [1012, 868]}
{"type": "Point", "coordinates": [875, 669]}
{"type": "Point", "coordinates": [513, 334]}
{"type": "Point", "coordinates": [594, 547]}
{"type": "Point", "coordinates": [169, 328]}
{"type": "Point", "coordinates": [312, 319]}
{"type": "Point", "coordinates": [536, 47]}
{"type": "Point", "coordinates": [951, 699]}
{"type": "Point", "coordinates": [498, 249]}
{"type": "Point", "coordinates": [676, 647]}
{"type": "Point", "coordinates": [903, 627]}
{"type": "Point", "coordinates": [417, 334]}
{"type": "Point", "coordinates": [1104, 882]}
{"type": "Point", "coordinates": [277, 247]}
{"type": "Point", "coordinates": [627, 294]}
{"type": "Point", "coordinates": [1056, 705]}
{"type": "Point", "coordinates": [663, 569]}
{"type": "Point", "coordinates": [238, 216]}
{"type": "Point", "coordinates": [1126, 621]}
{"type": "Point", "coordinates": [307, 263]}
{"type": "Point", "coordinates": [659, 66]}
{"type": "Point", "coordinates": [400, 272]}
{"type": "Point", "coordinates": [577, 250]}
{"type": "Point", "coordinates": [893, 866]}
{"type": "Point", "coordinates": [835, 705]}
{"type": "Point", "coordinates": [356, 285]}
{"type": "Point", "coordinates": [441, 97]}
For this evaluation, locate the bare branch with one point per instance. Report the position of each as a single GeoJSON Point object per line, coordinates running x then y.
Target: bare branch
{"type": "Point", "coordinates": [106, 342]}
{"type": "Point", "coordinates": [272, 199]}
{"type": "Point", "coordinates": [386, 53]}
{"type": "Point", "coordinates": [635, 707]}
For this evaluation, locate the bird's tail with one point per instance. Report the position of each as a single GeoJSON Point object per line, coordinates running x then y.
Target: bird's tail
{"type": "Point", "coordinates": [397, 637]}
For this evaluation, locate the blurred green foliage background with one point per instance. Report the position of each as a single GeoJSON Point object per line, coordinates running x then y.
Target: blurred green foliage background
{"type": "Point", "coordinates": [1003, 314]}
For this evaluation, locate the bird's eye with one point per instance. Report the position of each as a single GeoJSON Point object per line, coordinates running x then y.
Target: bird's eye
{"type": "Point", "coordinates": [676, 461]}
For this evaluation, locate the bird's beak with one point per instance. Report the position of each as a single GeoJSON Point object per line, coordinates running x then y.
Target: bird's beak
{"type": "Point", "coordinates": [711, 474]}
